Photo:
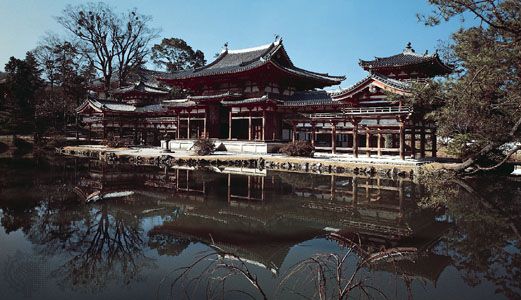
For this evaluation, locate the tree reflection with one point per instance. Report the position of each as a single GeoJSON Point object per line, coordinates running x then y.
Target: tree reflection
{"type": "Point", "coordinates": [101, 244]}
{"type": "Point", "coordinates": [484, 243]}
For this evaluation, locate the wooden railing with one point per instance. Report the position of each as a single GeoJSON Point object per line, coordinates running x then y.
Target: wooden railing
{"type": "Point", "coordinates": [361, 111]}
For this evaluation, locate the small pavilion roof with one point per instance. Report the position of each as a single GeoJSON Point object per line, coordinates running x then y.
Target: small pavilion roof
{"type": "Point", "coordinates": [408, 57]}
{"type": "Point", "coordinates": [140, 87]}
{"type": "Point", "coordinates": [102, 106]}
{"type": "Point", "coordinates": [384, 82]}
{"type": "Point", "coordinates": [238, 61]}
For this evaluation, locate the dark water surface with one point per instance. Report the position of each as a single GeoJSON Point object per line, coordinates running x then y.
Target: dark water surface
{"type": "Point", "coordinates": [82, 230]}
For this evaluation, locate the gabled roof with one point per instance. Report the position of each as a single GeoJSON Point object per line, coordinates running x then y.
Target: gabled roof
{"type": "Point", "coordinates": [237, 61]}
{"type": "Point", "coordinates": [140, 87]}
{"type": "Point", "coordinates": [407, 58]}
{"type": "Point", "coordinates": [102, 106]}
{"type": "Point", "coordinates": [383, 82]}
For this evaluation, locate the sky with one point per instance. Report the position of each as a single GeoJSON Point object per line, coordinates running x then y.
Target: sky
{"type": "Point", "coordinates": [328, 36]}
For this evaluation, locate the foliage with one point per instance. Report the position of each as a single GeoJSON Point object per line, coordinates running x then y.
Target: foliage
{"type": "Point", "coordinates": [20, 91]}
{"type": "Point", "coordinates": [481, 103]}
{"type": "Point", "coordinates": [204, 146]}
{"type": "Point", "coordinates": [67, 75]}
{"type": "Point", "coordinates": [115, 44]}
{"type": "Point", "coordinates": [298, 148]}
{"type": "Point", "coordinates": [174, 54]}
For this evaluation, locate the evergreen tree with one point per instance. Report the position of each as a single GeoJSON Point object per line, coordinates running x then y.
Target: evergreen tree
{"type": "Point", "coordinates": [174, 54]}
{"type": "Point", "coordinates": [479, 108]}
{"type": "Point", "coordinates": [21, 89]}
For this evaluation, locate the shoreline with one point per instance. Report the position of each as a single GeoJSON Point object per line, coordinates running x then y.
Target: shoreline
{"type": "Point", "coordinates": [320, 164]}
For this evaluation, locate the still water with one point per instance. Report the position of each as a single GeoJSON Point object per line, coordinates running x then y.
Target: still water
{"type": "Point", "coordinates": [80, 229]}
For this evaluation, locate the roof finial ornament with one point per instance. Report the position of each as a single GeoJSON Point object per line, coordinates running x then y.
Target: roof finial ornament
{"type": "Point", "coordinates": [278, 39]}
{"type": "Point", "coordinates": [226, 46]}
{"type": "Point", "coordinates": [408, 48]}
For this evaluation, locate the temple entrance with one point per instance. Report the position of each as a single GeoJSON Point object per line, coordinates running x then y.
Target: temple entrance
{"type": "Point", "coordinates": [240, 129]}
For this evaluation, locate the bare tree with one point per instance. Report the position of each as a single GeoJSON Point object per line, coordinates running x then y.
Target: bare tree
{"type": "Point", "coordinates": [115, 44]}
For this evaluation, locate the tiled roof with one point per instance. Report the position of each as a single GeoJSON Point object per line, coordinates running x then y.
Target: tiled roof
{"type": "Point", "coordinates": [262, 99]}
{"type": "Point", "coordinates": [406, 58]}
{"type": "Point", "coordinates": [208, 97]}
{"type": "Point", "coordinates": [308, 98]}
{"type": "Point", "coordinates": [236, 61]}
{"type": "Point", "coordinates": [140, 87]}
{"type": "Point", "coordinates": [394, 83]}
{"type": "Point", "coordinates": [116, 106]}
{"type": "Point", "coordinates": [179, 103]}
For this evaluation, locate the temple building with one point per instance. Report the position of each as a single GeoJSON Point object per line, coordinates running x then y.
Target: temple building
{"type": "Point", "coordinates": [253, 100]}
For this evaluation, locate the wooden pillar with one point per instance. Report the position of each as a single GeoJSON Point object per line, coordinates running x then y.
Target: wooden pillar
{"type": "Point", "coordinates": [413, 141]}
{"type": "Point", "coordinates": [104, 130]}
{"type": "Point", "coordinates": [204, 127]}
{"type": "Point", "coordinates": [355, 138]}
{"type": "Point", "coordinates": [402, 140]}
{"type": "Point", "coordinates": [434, 143]}
{"type": "Point", "coordinates": [135, 135]}
{"type": "Point", "coordinates": [178, 131]}
{"type": "Point", "coordinates": [368, 141]}
{"type": "Point", "coordinates": [90, 132]}
{"type": "Point", "coordinates": [293, 132]}
{"type": "Point", "coordinates": [422, 141]}
{"type": "Point", "coordinates": [145, 136]}
{"type": "Point", "coordinates": [333, 137]}
{"type": "Point", "coordinates": [249, 127]}
{"type": "Point", "coordinates": [313, 133]}
{"type": "Point", "coordinates": [188, 127]}
{"type": "Point", "coordinates": [230, 120]}
{"type": "Point", "coordinates": [263, 132]}
{"type": "Point", "coordinates": [355, 191]}
{"type": "Point", "coordinates": [379, 143]}
{"type": "Point", "coordinates": [77, 127]}
{"type": "Point", "coordinates": [400, 198]}
{"type": "Point", "coordinates": [333, 187]}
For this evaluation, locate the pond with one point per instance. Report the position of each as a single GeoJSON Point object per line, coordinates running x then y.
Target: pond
{"type": "Point", "coordinates": [80, 229]}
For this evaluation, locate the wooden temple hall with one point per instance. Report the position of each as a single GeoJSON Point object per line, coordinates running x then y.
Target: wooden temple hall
{"type": "Point", "coordinates": [257, 96]}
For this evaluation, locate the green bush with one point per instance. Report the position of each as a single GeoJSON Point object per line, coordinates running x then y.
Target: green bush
{"type": "Point", "coordinates": [204, 147]}
{"type": "Point", "coordinates": [298, 148]}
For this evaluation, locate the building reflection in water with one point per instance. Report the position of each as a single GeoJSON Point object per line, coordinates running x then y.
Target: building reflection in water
{"type": "Point", "coordinates": [103, 226]}
{"type": "Point", "coordinates": [260, 215]}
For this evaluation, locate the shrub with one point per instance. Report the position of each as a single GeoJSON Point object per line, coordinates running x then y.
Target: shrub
{"type": "Point", "coordinates": [298, 148]}
{"type": "Point", "coordinates": [22, 146]}
{"type": "Point", "coordinates": [204, 146]}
